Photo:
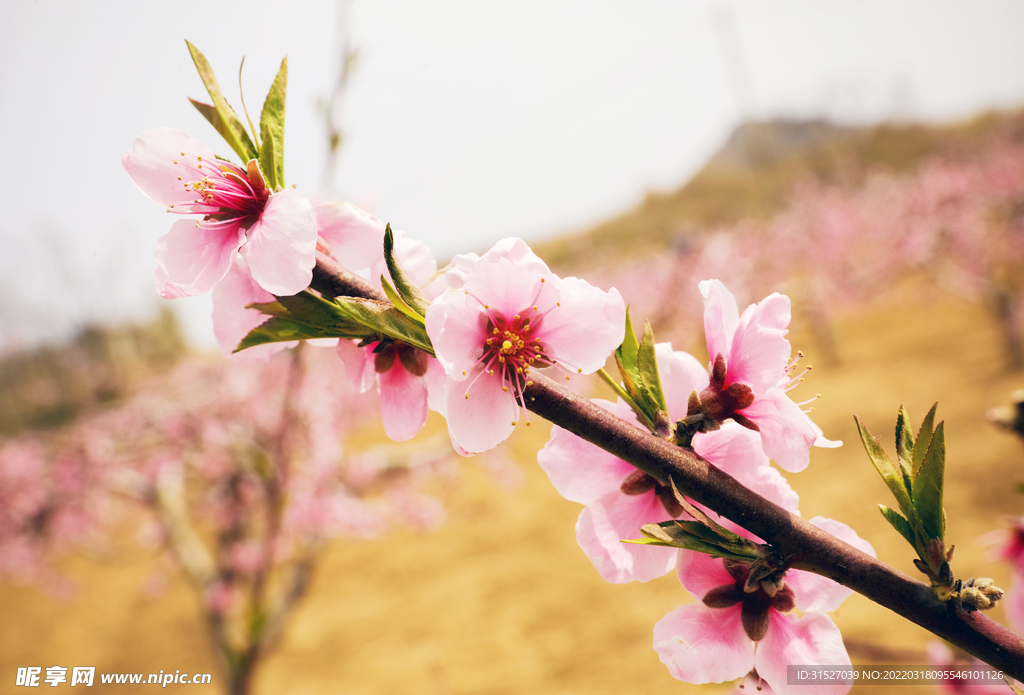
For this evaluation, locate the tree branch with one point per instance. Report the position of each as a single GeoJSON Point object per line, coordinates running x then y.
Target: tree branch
{"type": "Point", "coordinates": [805, 546]}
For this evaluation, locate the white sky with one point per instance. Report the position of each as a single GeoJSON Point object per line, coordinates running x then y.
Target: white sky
{"type": "Point", "coordinates": [466, 121]}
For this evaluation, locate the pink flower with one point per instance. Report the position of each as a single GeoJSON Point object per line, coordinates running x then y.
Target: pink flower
{"type": "Point", "coordinates": [620, 499]}
{"type": "Point", "coordinates": [274, 231]}
{"type": "Point", "coordinates": [410, 381]}
{"type": "Point", "coordinates": [751, 372]}
{"type": "Point", "coordinates": [511, 315]}
{"type": "Point", "coordinates": [731, 631]}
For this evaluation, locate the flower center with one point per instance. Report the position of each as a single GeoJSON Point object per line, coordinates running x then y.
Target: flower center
{"type": "Point", "coordinates": [755, 613]}
{"type": "Point", "coordinates": [222, 190]}
{"type": "Point", "coordinates": [510, 348]}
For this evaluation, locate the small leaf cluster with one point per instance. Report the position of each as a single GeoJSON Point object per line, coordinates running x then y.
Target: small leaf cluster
{"type": "Point", "coordinates": [916, 482]}
{"type": "Point", "coordinates": [638, 366]}
{"type": "Point", "coordinates": [268, 148]}
{"type": "Point", "coordinates": [705, 535]}
{"type": "Point", "coordinates": [306, 316]}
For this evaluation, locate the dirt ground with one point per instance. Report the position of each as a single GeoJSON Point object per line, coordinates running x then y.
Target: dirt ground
{"type": "Point", "coordinates": [501, 600]}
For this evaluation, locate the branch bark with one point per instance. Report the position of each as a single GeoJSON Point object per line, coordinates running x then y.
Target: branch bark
{"type": "Point", "coordinates": [805, 546]}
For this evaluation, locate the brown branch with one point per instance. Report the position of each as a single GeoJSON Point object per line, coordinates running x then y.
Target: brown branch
{"type": "Point", "coordinates": [805, 546]}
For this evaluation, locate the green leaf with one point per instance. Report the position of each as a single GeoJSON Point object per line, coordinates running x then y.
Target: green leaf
{"type": "Point", "coordinates": [220, 114]}
{"type": "Point", "coordinates": [384, 318]}
{"type": "Point", "coordinates": [399, 303]}
{"type": "Point", "coordinates": [675, 534]}
{"type": "Point", "coordinates": [647, 366]}
{"type": "Point", "coordinates": [626, 353]}
{"type": "Point", "coordinates": [412, 294]}
{"type": "Point", "coordinates": [302, 317]}
{"type": "Point", "coordinates": [899, 523]}
{"type": "Point", "coordinates": [928, 486]}
{"type": "Point", "coordinates": [272, 130]}
{"type": "Point", "coordinates": [904, 446]}
{"type": "Point", "coordinates": [884, 466]}
{"type": "Point", "coordinates": [924, 439]}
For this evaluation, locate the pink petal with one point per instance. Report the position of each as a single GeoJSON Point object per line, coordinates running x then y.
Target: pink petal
{"type": "Point", "coordinates": [435, 381]}
{"type": "Point", "coordinates": [700, 573]}
{"type": "Point", "coordinates": [403, 402]}
{"type": "Point", "coordinates": [580, 471]}
{"type": "Point", "coordinates": [232, 321]}
{"type": "Point", "coordinates": [281, 246]}
{"type": "Point", "coordinates": [814, 592]}
{"type": "Point", "coordinates": [510, 288]}
{"type": "Point", "coordinates": [452, 275]}
{"type": "Point", "coordinates": [356, 237]}
{"type": "Point", "coordinates": [456, 326]}
{"type": "Point", "coordinates": [736, 450]}
{"type": "Point", "coordinates": [681, 373]}
{"type": "Point", "coordinates": [586, 328]}
{"type": "Point", "coordinates": [721, 317]}
{"type": "Point", "coordinates": [786, 432]}
{"type": "Point", "coordinates": [192, 258]}
{"type": "Point", "coordinates": [605, 523]}
{"type": "Point", "coordinates": [759, 350]}
{"type": "Point", "coordinates": [820, 439]}
{"type": "Point", "coordinates": [810, 640]}
{"type": "Point", "coordinates": [359, 364]}
{"type": "Point", "coordinates": [704, 645]}
{"type": "Point", "coordinates": [151, 164]}
{"type": "Point", "coordinates": [483, 420]}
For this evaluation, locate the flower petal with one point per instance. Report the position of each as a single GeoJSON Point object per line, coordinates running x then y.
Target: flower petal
{"type": "Point", "coordinates": [605, 523]}
{"type": "Point", "coordinates": [483, 420]}
{"type": "Point", "coordinates": [281, 246]}
{"type": "Point", "coordinates": [192, 258]}
{"type": "Point", "coordinates": [435, 381]}
{"type": "Point", "coordinates": [356, 237]}
{"type": "Point", "coordinates": [812, 640]}
{"type": "Point", "coordinates": [704, 645]}
{"type": "Point", "coordinates": [681, 373]}
{"type": "Point", "coordinates": [232, 321]}
{"type": "Point", "coordinates": [586, 328]}
{"type": "Point", "coordinates": [721, 317]}
{"type": "Point", "coordinates": [457, 327]}
{"type": "Point", "coordinates": [452, 275]}
{"type": "Point", "coordinates": [814, 592]}
{"type": "Point", "coordinates": [700, 573]}
{"type": "Point", "coordinates": [403, 402]}
{"type": "Point", "coordinates": [759, 351]}
{"type": "Point", "coordinates": [786, 432]}
{"type": "Point", "coordinates": [359, 364]}
{"type": "Point", "coordinates": [580, 471]}
{"type": "Point", "coordinates": [155, 163]}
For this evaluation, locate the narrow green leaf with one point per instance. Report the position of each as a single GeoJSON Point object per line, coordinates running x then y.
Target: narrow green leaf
{"type": "Point", "coordinates": [647, 366]}
{"type": "Point", "coordinates": [305, 317]}
{"type": "Point", "coordinates": [399, 303]}
{"type": "Point", "coordinates": [674, 536]}
{"type": "Point", "coordinates": [904, 446]}
{"type": "Point", "coordinates": [385, 318]}
{"type": "Point", "coordinates": [627, 352]}
{"type": "Point", "coordinates": [280, 330]}
{"type": "Point", "coordinates": [884, 466]}
{"type": "Point", "coordinates": [899, 523]}
{"type": "Point", "coordinates": [924, 440]}
{"type": "Point", "coordinates": [928, 486]}
{"type": "Point", "coordinates": [226, 123]}
{"type": "Point", "coordinates": [412, 294]}
{"type": "Point", "coordinates": [272, 130]}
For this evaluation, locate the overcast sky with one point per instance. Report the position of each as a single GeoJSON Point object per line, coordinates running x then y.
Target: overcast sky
{"type": "Point", "coordinates": [465, 121]}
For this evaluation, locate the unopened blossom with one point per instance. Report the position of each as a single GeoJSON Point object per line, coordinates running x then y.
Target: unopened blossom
{"type": "Point", "coordinates": [274, 231]}
{"type": "Point", "coordinates": [730, 631]}
{"type": "Point", "coordinates": [511, 316]}
{"type": "Point", "coordinates": [751, 373]}
{"type": "Point", "coordinates": [409, 380]}
{"type": "Point", "coordinates": [620, 499]}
